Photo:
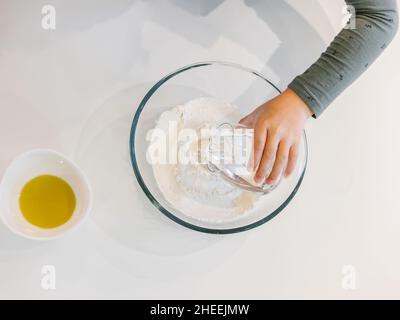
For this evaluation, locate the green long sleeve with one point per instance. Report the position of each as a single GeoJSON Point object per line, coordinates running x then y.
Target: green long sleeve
{"type": "Point", "coordinates": [349, 55]}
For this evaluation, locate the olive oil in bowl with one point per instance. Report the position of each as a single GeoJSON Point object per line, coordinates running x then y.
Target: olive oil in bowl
{"type": "Point", "coordinates": [47, 201]}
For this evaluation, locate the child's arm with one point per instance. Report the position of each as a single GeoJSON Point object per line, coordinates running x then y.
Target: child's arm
{"type": "Point", "coordinates": [350, 53]}
{"type": "Point", "coordinates": [279, 123]}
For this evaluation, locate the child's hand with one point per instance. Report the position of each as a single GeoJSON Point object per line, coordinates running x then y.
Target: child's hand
{"type": "Point", "coordinates": [278, 126]}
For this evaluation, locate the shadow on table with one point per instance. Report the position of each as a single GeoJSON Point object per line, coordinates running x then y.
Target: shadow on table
{"type": "Point", "coordinates": [300, 41]}
{"type": "Point", "coordinates": [16, 17]}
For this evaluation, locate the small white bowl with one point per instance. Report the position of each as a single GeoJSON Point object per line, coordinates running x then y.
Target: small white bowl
{"type": "Point", "coordinates": [28, 166]}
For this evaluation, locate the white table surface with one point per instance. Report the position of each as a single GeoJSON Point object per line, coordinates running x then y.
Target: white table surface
{"type": "Point", "coordinates": [75, 90]}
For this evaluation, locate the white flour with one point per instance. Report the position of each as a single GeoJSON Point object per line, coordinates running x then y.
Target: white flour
{"type": "Point", "coordinates": [192, 188]}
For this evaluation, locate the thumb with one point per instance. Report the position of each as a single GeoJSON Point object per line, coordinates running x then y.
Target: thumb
{"type": "Point", "coordinates": [247, 121]}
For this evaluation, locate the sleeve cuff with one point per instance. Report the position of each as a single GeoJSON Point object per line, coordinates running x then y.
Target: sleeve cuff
{"type": "Point", "coordinates": [307, 96]}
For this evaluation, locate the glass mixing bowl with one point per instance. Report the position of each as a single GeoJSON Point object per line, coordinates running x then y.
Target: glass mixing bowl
{"type": "Point", "coordinates": [233, 83]}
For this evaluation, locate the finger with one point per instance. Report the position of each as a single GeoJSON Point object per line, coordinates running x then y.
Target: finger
{"type": "Point", "coordinates": [269, 154]}
{"type": "Point", "coordinates": [293, 155]}
{"type": "Point", "coordinates": [280, 162]}
{"type": "Point", "coordinates": [260, 138]}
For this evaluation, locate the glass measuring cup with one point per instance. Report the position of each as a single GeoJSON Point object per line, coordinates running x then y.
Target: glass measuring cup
{"type": "Point", "coordinates": [229, 151]}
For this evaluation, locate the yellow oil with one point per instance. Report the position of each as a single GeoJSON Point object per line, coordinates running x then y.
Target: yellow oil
{"type": "Point", "coordinates": [47, 201]}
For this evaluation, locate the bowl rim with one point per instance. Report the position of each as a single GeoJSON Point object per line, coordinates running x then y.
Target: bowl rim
{"type": "Point", "coordinates": [150, 196]}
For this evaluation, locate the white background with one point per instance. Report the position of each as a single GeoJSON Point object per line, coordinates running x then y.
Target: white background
{"type": "Point", "coordinates": [75, 89]}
